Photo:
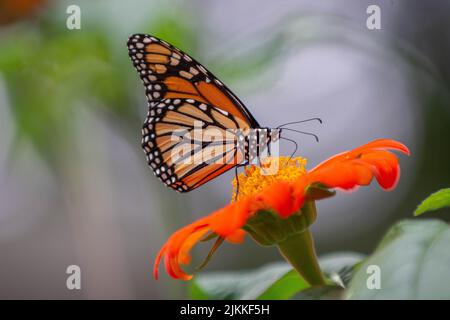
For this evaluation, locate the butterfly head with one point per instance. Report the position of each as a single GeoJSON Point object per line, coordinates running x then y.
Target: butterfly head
{"type": "Point", "coordinates": [274, 134]}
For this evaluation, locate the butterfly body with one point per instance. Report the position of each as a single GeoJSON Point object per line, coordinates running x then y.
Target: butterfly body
{"type": "Point", "coordinates": [196, 128]}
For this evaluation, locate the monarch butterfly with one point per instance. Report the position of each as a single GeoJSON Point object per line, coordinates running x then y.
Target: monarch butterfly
{"type": "Point", "coordinates": [184, 98]}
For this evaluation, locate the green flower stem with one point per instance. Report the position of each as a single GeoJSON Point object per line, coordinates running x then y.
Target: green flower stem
{"type": "Point", "coordinates": [292, 237]}
{"type": "Point", "coordinates": [299, 251]}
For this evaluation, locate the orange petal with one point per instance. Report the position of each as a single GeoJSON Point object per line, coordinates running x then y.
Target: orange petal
{"type": "Point", "coordinates": [380, 144]}
{"type": "Point", "coordinates": [226, 222]}
{"type": "Point", "coordinates": [280, 198]}
{"type": "Point", "coordinates": [387, 170]}
{"type": "Point", "coordinates": [357, 167]}
{"type": "Point", "coordinates": [236, 237]}
{"type": "Point", "coordinates": [176, 249]}
{"type": "Point", "coordinates": [232, 217]}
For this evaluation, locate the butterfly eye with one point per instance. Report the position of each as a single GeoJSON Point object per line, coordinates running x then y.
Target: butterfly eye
{"type": "Point", "coordinates": [275, 134]}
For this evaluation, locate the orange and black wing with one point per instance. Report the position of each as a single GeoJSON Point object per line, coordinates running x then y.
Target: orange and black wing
{"type": "Point", "coordinates": [169, 73]}
{"type": "Point", "coordinates": [188, 142]}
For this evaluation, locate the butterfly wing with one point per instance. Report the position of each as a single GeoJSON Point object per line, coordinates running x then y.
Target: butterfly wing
{"type": "Point", "coordinates": [169, 73]}
{"type": "Point", "coordinates": [188, 142]}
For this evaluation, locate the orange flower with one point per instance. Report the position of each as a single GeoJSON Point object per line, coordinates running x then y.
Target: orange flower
{"type": "Point", "coordinates": [284, 193]}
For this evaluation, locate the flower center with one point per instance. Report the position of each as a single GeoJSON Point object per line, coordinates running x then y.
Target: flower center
{"type": "Point", "coordinates": [273, 169]}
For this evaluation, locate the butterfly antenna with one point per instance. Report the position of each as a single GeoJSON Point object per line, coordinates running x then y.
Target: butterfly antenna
{"type": "Point", "coordinates": [303, 132]}
{"type": "Point", "coordinates": [296, 122]}
{"type": "Point", "coordinates": [295, 143]}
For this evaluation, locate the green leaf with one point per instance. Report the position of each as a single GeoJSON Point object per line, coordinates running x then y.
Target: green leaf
{"type": "Point", "coordinates": [273, 281]}
{"type": "Point", "coordinates": [414, 263]}
{"type": "Point", "coordinates": [340, 267]}
{"type": "Point", "coordinates": [437, 200]}
{"type": "Point", "coordinates": [285, 287]}
{"type": "Point", "coordinates": [328, 292]}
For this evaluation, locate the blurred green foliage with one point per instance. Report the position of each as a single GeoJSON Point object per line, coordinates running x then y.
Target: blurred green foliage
{"type": "Point", "coordinates": [179, 28]}
{"type": "Point", "coordinates": [52, 75]}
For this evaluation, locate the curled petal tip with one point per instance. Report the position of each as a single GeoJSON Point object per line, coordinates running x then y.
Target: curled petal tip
{"type": "Point", "coordinates": [387, 144]}
{"type": "Point", "coordinates": [405, 150]}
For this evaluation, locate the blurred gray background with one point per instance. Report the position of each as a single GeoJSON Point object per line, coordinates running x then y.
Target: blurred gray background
{"type": "Point", "coordinates": [74, 184]}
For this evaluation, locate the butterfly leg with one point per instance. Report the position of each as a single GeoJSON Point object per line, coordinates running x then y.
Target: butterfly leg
{"type": "Point", "coordinates": [260, 164]}
{"type": "Point", "coordinates": [237, 182]}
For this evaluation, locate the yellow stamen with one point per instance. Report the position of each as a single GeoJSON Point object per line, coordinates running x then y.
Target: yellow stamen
{"type": "Point", "coordinates": [254, 179]}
